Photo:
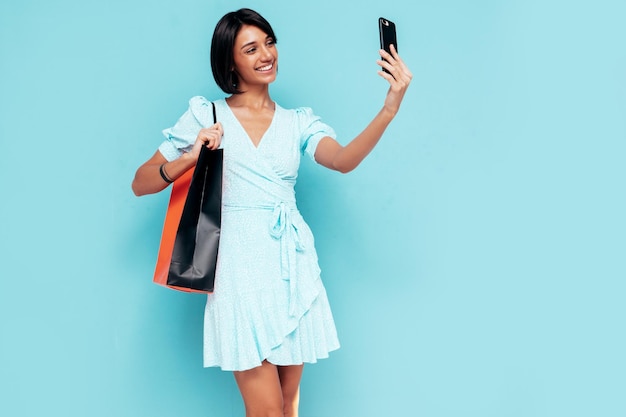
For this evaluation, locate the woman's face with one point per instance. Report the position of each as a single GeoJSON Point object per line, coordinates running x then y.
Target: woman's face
{"type": "Point", "coordinates": [255, 56]}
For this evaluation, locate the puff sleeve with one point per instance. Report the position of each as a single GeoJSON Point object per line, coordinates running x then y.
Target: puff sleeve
{"type": "Point", "coordinates": [181, 137]}
{"type": "Point", "coordinates": [312, 130]}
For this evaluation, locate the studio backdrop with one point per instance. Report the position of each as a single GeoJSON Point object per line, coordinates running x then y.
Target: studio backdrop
{"type": "Point", "coordinates": [474, 262]}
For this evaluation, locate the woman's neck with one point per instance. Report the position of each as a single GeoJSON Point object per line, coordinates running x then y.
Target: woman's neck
{"type": "Point", "coordinates": [252, 98]}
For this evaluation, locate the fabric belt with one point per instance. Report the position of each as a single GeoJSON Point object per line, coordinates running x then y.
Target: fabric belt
{"type": "Point", "coordinates": [281, 228]}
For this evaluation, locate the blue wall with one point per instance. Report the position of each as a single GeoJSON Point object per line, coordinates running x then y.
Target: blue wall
{"type": "Point", "coordinates": [475, 262]}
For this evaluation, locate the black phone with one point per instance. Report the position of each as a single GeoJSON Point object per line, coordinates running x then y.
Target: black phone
{"type": "Point", "coordinates": [387, 31]}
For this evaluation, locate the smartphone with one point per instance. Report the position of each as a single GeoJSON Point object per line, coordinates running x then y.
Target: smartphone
{"type": "Point", "coordinates": [387, 31]}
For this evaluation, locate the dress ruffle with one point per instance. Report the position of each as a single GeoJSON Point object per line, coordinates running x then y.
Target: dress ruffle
{"type": "Point", "coordinates": [263, 322]}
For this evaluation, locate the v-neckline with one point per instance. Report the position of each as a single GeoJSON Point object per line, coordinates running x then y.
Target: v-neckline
{"type": "Point", "coordinates": [245, 132]}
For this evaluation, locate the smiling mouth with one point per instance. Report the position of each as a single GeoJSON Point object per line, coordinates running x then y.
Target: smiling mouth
{"type": "Point", "coordinates": [266, 68]}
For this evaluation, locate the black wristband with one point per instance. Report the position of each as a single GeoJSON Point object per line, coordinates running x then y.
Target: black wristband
{"type": "Point", "coordinates": [164, 175]}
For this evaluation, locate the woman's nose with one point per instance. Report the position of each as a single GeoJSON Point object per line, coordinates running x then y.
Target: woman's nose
{"type": "Point", "coordinates": [266, 54]}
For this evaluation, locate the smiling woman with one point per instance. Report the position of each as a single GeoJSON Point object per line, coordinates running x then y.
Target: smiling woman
{"type": "Point", "coordinates": [269, 313]}
{"type": "Point", "coordinates": [248, 30]}
{"type": "Point", "coordinates": [255, 57]}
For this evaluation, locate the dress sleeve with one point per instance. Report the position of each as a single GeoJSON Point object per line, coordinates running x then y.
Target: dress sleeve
{"type": "Point", "coordinates": [181, 137]}
{"type": "Point", "coordinates": [312, 130]}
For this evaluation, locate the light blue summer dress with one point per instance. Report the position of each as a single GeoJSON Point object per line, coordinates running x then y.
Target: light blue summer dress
{"type": "Point", "coordinates": [269, 302]}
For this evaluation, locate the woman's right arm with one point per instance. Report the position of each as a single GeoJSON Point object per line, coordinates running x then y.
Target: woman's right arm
{"type": "Point", "coordinates": [148, 179]}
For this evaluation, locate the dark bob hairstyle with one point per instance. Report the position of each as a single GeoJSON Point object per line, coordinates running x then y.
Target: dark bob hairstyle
{"type": "Point", "coordinates": [223, 43]}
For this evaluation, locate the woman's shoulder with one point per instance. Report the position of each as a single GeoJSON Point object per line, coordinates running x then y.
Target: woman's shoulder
{"type": "Point", "coordinates": [306, 123]}
{"type": "Point", "coordinates": [202, 108]}
{"type": "Point", "coordinates": [298, 114]}
{"type": "Point", "coordinates": [202, 102]}
{"type": "Point", "coordinates": [296, 111]}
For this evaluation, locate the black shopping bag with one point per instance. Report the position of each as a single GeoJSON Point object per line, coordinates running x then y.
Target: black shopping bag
{"type": "Point", "coordinates": [191, 231]}
{"type": "Point", "coordinates": [194, 256]}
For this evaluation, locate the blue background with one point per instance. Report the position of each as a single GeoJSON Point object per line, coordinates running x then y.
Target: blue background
{"type": "Point", "coordinates": [475, 261]}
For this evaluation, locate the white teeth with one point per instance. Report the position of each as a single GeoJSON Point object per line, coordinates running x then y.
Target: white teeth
{"type": "Point", "coordinates": [266, 68]}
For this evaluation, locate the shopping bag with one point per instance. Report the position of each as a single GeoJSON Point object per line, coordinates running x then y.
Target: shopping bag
{"type": "Point", "coordinates": [190, 240]}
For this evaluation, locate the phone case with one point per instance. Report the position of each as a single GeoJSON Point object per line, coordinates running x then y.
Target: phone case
{"type": "Point", "coordinates": [387, 31]}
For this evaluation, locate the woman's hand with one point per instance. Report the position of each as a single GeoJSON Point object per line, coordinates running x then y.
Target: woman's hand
{"type": "Point", "coordinates": [148, 179]}
{"type": "Point", "coordinates": [332, 155]}
{"type": "Point", "coordinates": [399, 77]}
{"type": "Point", "coordinates": [211, 137]}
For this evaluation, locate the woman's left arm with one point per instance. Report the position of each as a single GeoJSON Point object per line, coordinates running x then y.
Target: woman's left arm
{"type": "Point", "coordinates": [331, 154]}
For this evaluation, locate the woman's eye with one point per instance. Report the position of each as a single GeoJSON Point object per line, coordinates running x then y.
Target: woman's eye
{"type": "Point", "coordinates": [251, 50]}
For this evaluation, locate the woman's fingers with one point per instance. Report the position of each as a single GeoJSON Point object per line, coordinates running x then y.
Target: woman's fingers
{"type": "Point", "coordinates": [219, 128]}
{"type": "Point", "coordinates": [211, 137]}
{"type": "Point", "coordinates": [400, 62]}
{"type": "Point", "coordinates": [398, 74]}
{"type": "Point", "coordinates": [388, 61]}
{"type": "Point", "coordinates": [388, 66]}
{"type": "Point", "coordinates": [394, 52]}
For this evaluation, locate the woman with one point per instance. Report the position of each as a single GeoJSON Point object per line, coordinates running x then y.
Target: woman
{"type": "Point", "coordinates": [269, 313]}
